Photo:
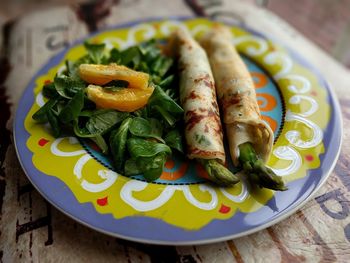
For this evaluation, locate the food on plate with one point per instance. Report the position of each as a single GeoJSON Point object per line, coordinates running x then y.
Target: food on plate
{"type": "Point", "coordinates": [123, 100]}
{"type": "Point", "coordinates": [203, 130]}
{"type": "Point", "coordinates": [250, 138]}
{"type": "Point", "coordinates": [102, 74]}
{"type": "Point", "coordinates": [128, 103]}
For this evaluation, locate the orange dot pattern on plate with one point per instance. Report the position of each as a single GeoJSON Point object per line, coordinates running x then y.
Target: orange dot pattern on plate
{"type": "Point", "coordinates": [174, 175]}
{"type": "Point", "coordinates": [272, 123]}
{"type": "Point", "coordinates": [260, 80]}
{"type": "Point", "coordinates": [266, 102]}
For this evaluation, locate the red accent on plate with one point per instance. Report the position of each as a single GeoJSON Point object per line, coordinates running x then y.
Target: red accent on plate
{"type": "Point", "coordinates": [42, 142]}
{"type": "Point", "coordinates": [309, 158]}
{"type": "Point", "coordinates": [94, 146]}
{"type": "Point", "coordinates": [102, 201]}
{"type": "Point", "coordinates": [47, 81]}
{"type": "Point", "coordinates": [224, 209]}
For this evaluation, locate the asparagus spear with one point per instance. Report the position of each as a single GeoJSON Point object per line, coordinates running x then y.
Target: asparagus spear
{"type": "Point", "coordinates": [256, 170]}
{"type": "Point", "coordinates": [218, 173]}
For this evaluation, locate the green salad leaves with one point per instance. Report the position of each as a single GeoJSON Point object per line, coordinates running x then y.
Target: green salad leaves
{"type": "Point", "coordinates": [138, 142]}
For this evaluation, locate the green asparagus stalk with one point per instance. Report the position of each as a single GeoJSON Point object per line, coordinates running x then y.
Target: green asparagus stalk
{"type": "Point", "coordinates": [218, 173]}
{"type": "Point", "coordinates": [256, 171]}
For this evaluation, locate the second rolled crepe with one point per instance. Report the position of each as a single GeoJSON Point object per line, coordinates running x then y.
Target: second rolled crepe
{"type": "Point", "coordinates": [236, 95]}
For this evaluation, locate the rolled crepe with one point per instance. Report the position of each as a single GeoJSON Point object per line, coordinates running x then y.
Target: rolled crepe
{"type": "Point", "coordinates": [203, 131]}
{"type": "Point", "coordinates": [236, 95]}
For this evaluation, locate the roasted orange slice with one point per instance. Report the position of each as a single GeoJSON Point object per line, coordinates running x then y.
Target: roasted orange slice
{"type": "Point", "coordinates": [127, 99]}
{"type": "Point", "coordinates": [102, 74]}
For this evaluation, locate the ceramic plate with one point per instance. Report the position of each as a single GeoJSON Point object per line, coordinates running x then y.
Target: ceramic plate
{"type": "Point", "coordinates": [181, 208]}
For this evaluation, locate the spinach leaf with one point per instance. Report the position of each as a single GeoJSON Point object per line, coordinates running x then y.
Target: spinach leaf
{"type": "Point", "coordinates": [143, 112]}
{"type": "Point", "coordinates": [71, 69]}
{"type": "Point", "coordinates": [174, 139]}
{"type": "Point", "coordinates": [161, 65]}
{"type": "Point", "coordinates": [167, 81]}
{"type": "Point", "coordinates": [143, 67]}
{"type": "Point", "coordinates": [83, 60]}
{"type": "Point", "coordinates": [160, 98]}
{"type": "Point", "coordinates": [150, 51]}
{"type": "Point", "coordinates": [131, 57]}
{"type": "Point", "coordinates": [172, 94]}
{"type": "Point", "coordinates": [67, 87]}
{"type": "Point", "coordinates": [58, 107]}
{"type": "Point", "coordinates": [87, 113]}
{"type": "Point", "coordinates": [73, 108]}
{"type": "Point", "coordinates": [169, 118]}
{"type": "Point", "coordinates": [150, 128]}
{"type": "Point", "coordinates": [81, 132]}
{"type": "Point", "coordinates": [101, 121]}
{"type": "Point", "coordinates": [149, 47]}
{"type": "Point", "coordinates": [41, 114]}
{"type": "Point", "coordinates": [49, 91]}
{"type": "Point", "coordinates": [54, 123]}
{"type": "Point", "coordinates": [165, 106]}
{"type": "Point", "coordinates": [155, 79]}
{"type": "Point", "coordinates": [152, 167]}
{"type": "Point", "coordinates": [115, 56]}
{"type": "Point", "coordinates": [117, 142]}
{"type": "Point", "coordinates": [95, 52]}
{"type": "Point", "coordinates": [101, 143]}
{"type": "Point", "coordinates": [131, 168]}
{"type": "Point", "coordinates": [156, 126]}
{"type": "Point", "coordinates": [142, 148]}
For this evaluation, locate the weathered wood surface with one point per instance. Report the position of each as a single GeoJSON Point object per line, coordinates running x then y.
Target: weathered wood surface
{"type": "Point", "coordinates": [33, 231]}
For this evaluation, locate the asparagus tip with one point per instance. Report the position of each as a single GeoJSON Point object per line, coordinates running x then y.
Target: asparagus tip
{"type": "Point", "coordinates": [218, 173]}
{"type": "Point", "coordinates": [256, 170]}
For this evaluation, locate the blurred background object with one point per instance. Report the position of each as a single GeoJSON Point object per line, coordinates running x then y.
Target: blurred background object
{"type": "Point", "coordinates": [325, 22]}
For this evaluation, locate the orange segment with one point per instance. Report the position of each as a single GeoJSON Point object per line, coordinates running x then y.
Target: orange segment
{"type": "Point", "coordinates": [102, 74]}
{"type": "Point", "coordinates": [128, 99]}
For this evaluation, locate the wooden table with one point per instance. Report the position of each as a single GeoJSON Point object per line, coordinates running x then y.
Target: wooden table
{"type": "Point", "coordinates": [31, 230]}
